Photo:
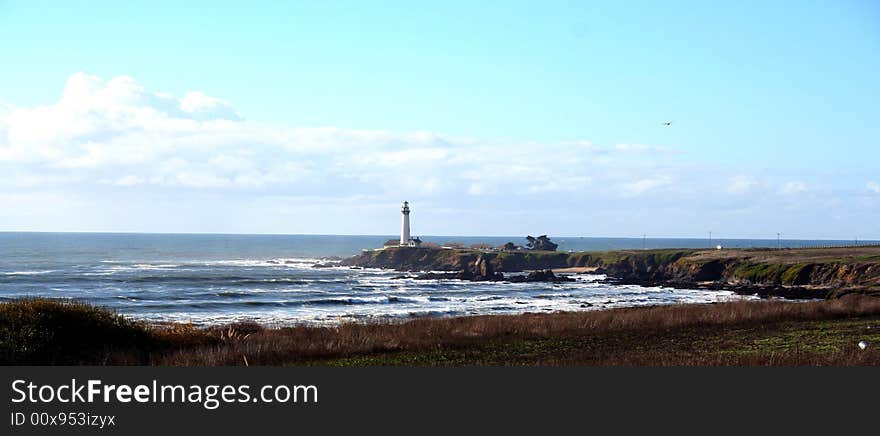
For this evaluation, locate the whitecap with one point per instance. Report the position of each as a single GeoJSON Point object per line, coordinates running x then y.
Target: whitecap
{"type": "Point", "coordinates": [28, 273]}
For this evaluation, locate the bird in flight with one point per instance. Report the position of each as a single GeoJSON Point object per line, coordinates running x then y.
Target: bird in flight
{"type": "Point", "coordinates": [668, 123]}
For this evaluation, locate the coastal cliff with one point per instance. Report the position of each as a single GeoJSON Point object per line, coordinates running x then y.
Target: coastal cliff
{"type": "Point", "coordinates": [436, 259]}
{"type": "Point", "coordinates": [793, 273]}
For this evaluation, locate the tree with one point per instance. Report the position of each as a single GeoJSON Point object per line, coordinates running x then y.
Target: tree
{"type": "Point", "coordinates": [540, 243]}
{"type": "Point", "coordinates": [510, 246]}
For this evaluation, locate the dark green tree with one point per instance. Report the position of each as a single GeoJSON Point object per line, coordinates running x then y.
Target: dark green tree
{"type": "Point", "coordinates": [540, 243]}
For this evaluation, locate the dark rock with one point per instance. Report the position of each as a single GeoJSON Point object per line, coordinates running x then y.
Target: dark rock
{"type": "Point", "coordinates": [487, 275]}
{"type": "Point", "coordinates": [788, 292]}
{"type": "Point", "coordinates": [541, 276]}
{"type": "Point", "coordinates": [713, 270]}
{"type": "Point", "coordinates": [461, 275]}
{"type": "Point", "coordinates": [327, 263]}
{"type": "Point", "coordinates": [483, 268]}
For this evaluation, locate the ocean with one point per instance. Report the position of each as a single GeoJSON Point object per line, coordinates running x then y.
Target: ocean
{"type": "Point", "coordinates": [212, 279]}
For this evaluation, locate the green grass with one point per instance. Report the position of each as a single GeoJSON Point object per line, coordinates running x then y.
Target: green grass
{"type": "Point", "coordinates": [794, 342]}
{"type": "Point", "coordinates": [816, 338]}
{"type": "Point", "coordinates": [605, 258]}
{"type": "Point", "coordinates": [791, 273]}
{"type": "Point", "coordinates": [768, 272]}
{"type": "Point", "coordinates": [759, 272]}
{"type": "Point", "coordinates": [517, 352]}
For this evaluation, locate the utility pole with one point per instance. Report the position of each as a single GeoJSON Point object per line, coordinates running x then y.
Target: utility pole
{"type": "Point", "coordinates": [644, 242]}
{"type": "Point", "coordinates": [710, 239]}
{"type": "Point", "coordinates": [778, 241]}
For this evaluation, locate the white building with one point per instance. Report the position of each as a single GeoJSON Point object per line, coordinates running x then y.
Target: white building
{"type": "Point", "coordinates": [406, 240]}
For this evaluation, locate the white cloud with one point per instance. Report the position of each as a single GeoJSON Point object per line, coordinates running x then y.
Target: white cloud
{"type": "Point", "coordinates": [205, 107]}
{"type": "Point", "coordinates": [42, 180]}
{"type": "Point", "coordinates": [479, 189]}
{"type": "Point", "coordinates": [129, 180]}
{"type": "Point", "coordinates": [115, 133]}
{"type": "Point", "coordinates": [874, 187]}
{"type": "Point", "coordinates": [794, 187]}
{"type": "Point", "coordinates": [641, 148]}
{"type": "Point", "coordinates": [644, 185]}
{"type": "Point", "coordinates": [561, 184]}
{"type": "Point", "coordinates": [417, 156]}
{"type": "Point", "coordinates": [584, 146]}
{"type": "Point", "coordinates": [741, 184]}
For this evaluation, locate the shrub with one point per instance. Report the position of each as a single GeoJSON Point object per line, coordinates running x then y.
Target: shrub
{"type": "Point", "coordinates": [49, 331]}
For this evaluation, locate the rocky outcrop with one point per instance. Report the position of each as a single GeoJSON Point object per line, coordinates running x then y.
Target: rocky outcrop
{"type": "Point", "coordinates": [413, 259]}
{"type": "Point", "coordinates": [541, 276]}
{"type": "Point", "coordinates": [436, 259]}
{"type": "Point", "coordinates": [788, 273]}
{"type": "Point", "coordinates": [747, 276]}
{"type": "Point", "coordinates": [546, 276]}
{"type": "Point", "coordinates": [480, 270]}
{"type": "Point", "coordinates": [483, 268]}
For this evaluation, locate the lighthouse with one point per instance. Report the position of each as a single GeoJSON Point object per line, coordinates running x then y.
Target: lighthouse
{"type": "Point", "coordinates": [405, 238]}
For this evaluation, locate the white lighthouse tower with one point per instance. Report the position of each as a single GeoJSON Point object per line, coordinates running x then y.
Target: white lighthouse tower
{"type": "Point", "coordinates": [405, 238]}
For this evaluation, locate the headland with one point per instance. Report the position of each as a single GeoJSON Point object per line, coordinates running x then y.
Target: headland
{"type": "Point", "coordinates": [790, 273]}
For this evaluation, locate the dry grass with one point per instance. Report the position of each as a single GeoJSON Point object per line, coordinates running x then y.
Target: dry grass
{"type": "Point", "coordinates": [305, 344]}
{"type": "Point", "coordinates": [716, 334]}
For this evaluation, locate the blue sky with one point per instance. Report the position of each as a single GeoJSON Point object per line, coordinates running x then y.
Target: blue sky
{"type": "Point", "coordinates": [492, 118]}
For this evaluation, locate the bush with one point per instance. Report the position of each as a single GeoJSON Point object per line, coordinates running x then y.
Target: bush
{"type": "Point", "coordinates": [510, 246]}
{"type": "Point", "coordinates": [45, 331]}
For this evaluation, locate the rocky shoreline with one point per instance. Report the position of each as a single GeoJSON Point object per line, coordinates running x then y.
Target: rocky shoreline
{"type": "Point", "coordinates": [787, 273]}
{"type": "Point", "coordinates": [762, 291]}
{"type": "Point", "coordinates": [535, 276]}
{"type": "Point", "coordinates": [482, 270]}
